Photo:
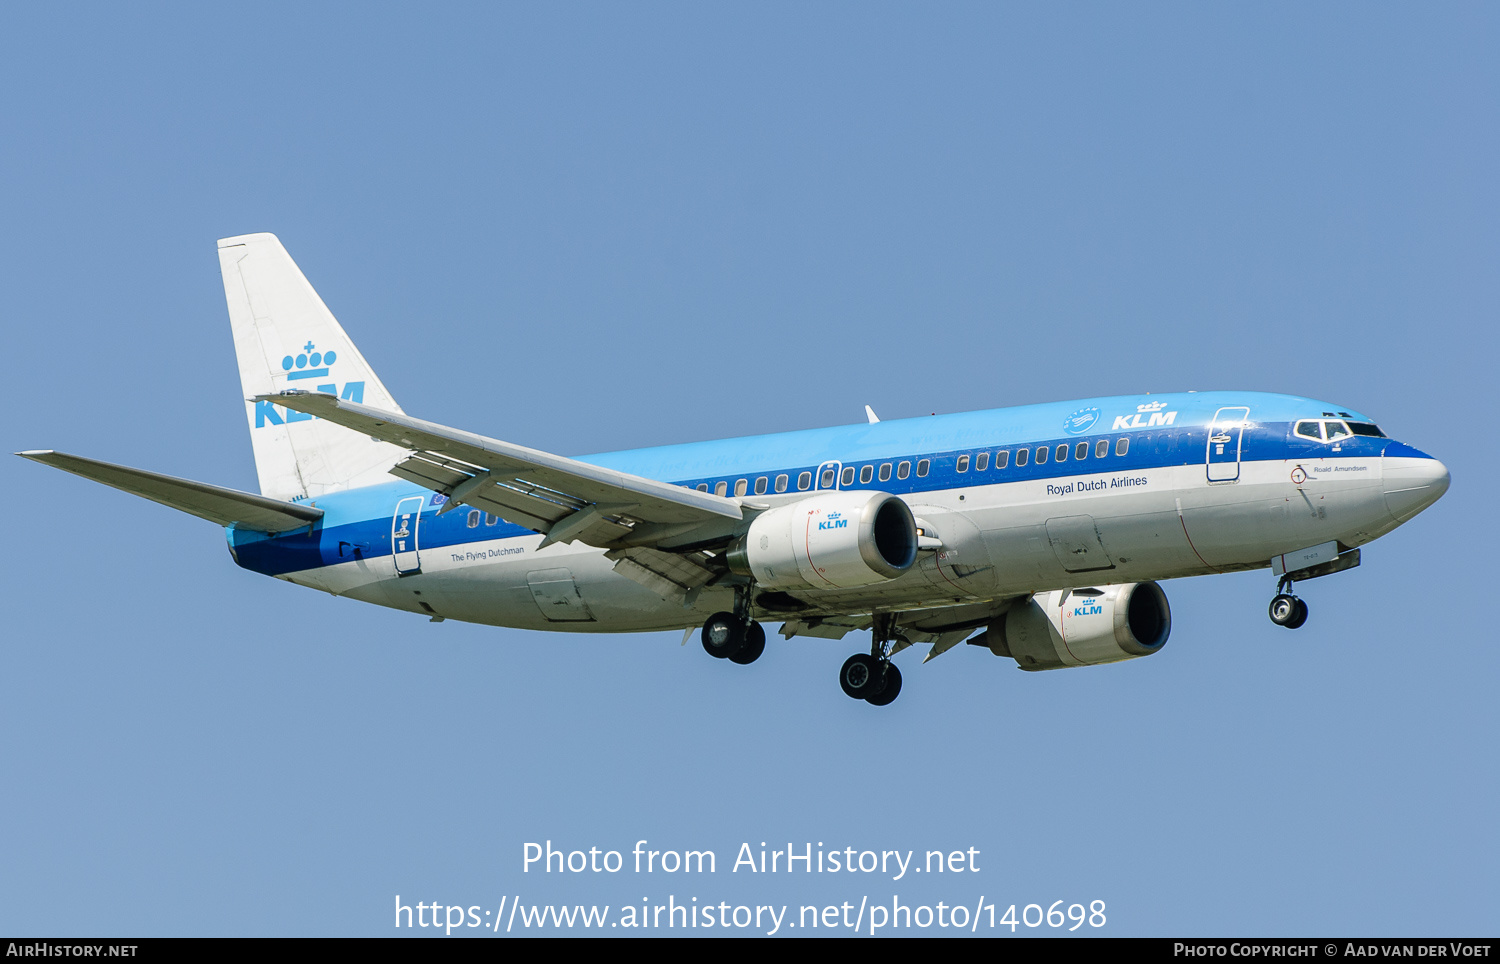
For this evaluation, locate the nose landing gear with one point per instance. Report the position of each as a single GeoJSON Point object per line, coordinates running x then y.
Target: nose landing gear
{"type": "Point", "coordinates": [1286, 609]}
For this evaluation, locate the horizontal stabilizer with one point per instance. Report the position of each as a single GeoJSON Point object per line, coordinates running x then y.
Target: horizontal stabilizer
{"type": "Point", "coordinates": [212, 502]}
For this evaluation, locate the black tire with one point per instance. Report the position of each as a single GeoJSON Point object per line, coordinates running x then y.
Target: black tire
{"type": "Point", "coordinates": [723, 635]}
{"type": "Point", "coordinates": [892, 687]}
{"type": "Point", "coordinates": [1284, 609]}
{"type": "Point", "coordinates": [1299, 617]}
{"type": "Point", "coordinates": [755, 644]}
{"type": "Point", "coordinates": [860, 677]}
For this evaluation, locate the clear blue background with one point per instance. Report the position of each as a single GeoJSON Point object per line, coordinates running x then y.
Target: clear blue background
{"type": "Point", "coordinates": [605, 226]}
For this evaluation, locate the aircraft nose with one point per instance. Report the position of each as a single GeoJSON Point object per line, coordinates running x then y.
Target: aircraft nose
{"type": "Point", "coordinates": [1412, 481]}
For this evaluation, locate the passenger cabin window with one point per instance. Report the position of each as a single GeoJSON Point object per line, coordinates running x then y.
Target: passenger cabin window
{"type": "Point", "coordinates": [760, 485]}
{"type": "Point", "coordinates": [846, 477]}
{"type": "Point", "coordinates": [1081, 451]}
{"type": "Point", "coordinates": [490, 518]}
{"type": "Point", "coordinates": [981, 461]}
{"type": "Point", "coordinates": [922, 466]}
{"type": "Point", "coordinates": [720, 488]}
{"type": "Point", "coordinates": [903, 470]}
{"type": "Point", "coordinates": [473, 518]}
{"type": "Point", "coordinates": [702, 486]}
{"type": "Point", "coordinates": [1041, 455]}
{"type": "Point", "coordinates": [804, 481]}
{"type": "Point", "coordinates": [739, 487]}
{"type": "Point", "coordinates": [1002, 458]}
{"type": "Point", "coordinates": [1021, 456]}
{"type": "Point", "coordinates": [828, 478]}
{"type": "Point", "coordinates": [1101, 448]}
{"type": "Point", "coordinates": [1122, 446]}
{"type": "Point", "coordinates": [963, 463]}
{"type": "Point", "coordinates": [885, 472]}
{"type": "Point", "coordinates": [780, 483]}
{"type": "Point", "coordinates": [1062, 453]}
{"type": "Point", "coordinates": [866, 474]}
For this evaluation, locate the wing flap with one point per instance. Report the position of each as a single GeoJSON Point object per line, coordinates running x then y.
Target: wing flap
{"type": "Point", "coordinates": [669, 575]}
{"type": "Point", "coordinates": [212, 502]}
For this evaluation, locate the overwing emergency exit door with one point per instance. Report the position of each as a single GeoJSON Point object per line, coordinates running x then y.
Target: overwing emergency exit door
{"type": "Point", "coordinates": [828, 475]}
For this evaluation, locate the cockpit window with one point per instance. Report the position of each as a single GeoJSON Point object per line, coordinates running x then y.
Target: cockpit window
{"type": "Point", "coordinates": [1333, 430]}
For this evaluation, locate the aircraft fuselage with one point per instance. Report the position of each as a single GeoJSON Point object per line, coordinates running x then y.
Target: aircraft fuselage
{"type": "Point", "coordinates": [1022, 500]}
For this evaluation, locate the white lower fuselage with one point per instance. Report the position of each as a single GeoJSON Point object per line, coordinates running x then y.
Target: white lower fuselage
{"type": "Point", "coordinates": [1000, 541]}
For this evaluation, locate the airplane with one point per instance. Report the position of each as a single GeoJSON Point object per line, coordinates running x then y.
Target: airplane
{"type": "Point", "coordinates": [1039, 533]}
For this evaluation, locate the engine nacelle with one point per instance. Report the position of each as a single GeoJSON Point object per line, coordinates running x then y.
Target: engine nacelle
{"type": "Point", "coordinates": [836, 540]}
{"type": "Point", "coordinates": [1083, 627]}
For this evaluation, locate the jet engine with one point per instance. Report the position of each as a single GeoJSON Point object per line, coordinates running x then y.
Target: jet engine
{"type": "Point", "coordinates": [1082, 627]}
{"type": "Point", "coordinates": [836, 540]}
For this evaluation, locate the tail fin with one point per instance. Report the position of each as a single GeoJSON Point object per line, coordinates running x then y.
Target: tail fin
{"type": "Point", "coordinates": [285, 337]}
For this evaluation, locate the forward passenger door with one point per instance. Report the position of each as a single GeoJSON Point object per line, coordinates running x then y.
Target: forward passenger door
{"type": "Point", "coordinates": [1225, 435]}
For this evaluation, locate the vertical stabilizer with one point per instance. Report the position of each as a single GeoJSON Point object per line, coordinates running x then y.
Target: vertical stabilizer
{"type": "Point", "coordinates": [285, 337]}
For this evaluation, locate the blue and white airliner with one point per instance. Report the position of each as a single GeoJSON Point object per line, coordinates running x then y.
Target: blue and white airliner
{"type": "Point", "coordinates": [1039, 533]}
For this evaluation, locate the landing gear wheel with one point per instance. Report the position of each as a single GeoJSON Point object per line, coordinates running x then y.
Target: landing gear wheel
{"type": "Point", "coordinates": [1299, 617]}
{"type": "Point", "coordinates": [1284, 610]}
{"type": "Point", "coordinates": [724, 635]}
{"type": "Point", "coordinates": [755, 644]}
{"type": "Point", "coordinates": [892, 687]}
{"type": "Point", "coordinates": [861, 677]}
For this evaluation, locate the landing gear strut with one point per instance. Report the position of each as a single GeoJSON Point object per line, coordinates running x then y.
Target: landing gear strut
{"type": "Point", "coordinates": [873, 678]}
{"type": "Point", "coordinates": [735, 636]}
{"type": "Point", "coordinates": [1286, 609]}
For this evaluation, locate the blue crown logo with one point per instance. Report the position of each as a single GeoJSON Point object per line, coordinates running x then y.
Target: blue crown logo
{"type": "Point", "coordinates": [308, 364]}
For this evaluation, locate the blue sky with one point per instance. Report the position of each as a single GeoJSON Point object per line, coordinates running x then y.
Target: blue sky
{"type": "Point", "coordinates": [594, 227]}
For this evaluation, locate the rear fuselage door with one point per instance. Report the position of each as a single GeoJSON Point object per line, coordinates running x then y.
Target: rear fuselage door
{"type": "Point", "coordinates": [1225, 433]}
{"type": "Point", "coordinates": [404, 536]}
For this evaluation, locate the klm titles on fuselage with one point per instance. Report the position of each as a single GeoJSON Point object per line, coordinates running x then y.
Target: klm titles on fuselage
{"type": "Point", "coordinates": [1096, 485]}
{"type": "Point", "coordinates": [1149, 415]}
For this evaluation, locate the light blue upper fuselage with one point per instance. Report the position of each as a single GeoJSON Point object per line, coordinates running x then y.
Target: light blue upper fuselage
{"type": "Point", "coordinates": [1160, 430]}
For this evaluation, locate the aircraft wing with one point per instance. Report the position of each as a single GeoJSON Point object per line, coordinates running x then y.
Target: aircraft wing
{"type": "Point", "coordinates": [212, 502]}
{"type": "Point", "coordinates": [561, 497]}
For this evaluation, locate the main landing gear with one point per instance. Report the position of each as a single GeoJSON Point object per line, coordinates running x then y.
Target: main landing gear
{"type": "Point", "coordinates": [734, 636]}
{"type": "Point", "coordinates": [873, 678]}
{"type": "Point", "coordinates": [1286, 609]}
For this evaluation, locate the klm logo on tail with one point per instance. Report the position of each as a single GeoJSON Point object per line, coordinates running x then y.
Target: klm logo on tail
{"type": "Point", "coordinates": [309, 363]}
